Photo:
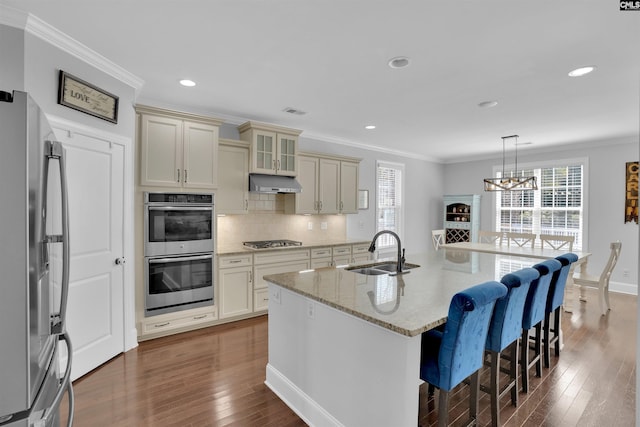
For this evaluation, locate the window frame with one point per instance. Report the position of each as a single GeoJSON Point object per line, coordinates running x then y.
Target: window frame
{"type": "Point", "coordinates": [380, 245]}
{"type": "Point", "coordinates": [556, 163]}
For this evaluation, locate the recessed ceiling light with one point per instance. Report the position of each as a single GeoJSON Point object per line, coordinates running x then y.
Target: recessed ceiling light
{"type": "Point", "coordinates": [399, 62]}
{"type": "Point", "coordinates": [370, 127]}
{"type": "Point", "coordinates": [488, 104]}
{"type": "Point", "coordinates": [188, 83]}
{"type": "Point", "coordinates": [294, 111]}
{"type": "Point", "coordinates": [581, 71]}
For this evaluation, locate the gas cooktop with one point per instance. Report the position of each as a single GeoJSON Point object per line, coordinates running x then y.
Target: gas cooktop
{"type": "Point", "coordinates": [268, 244]}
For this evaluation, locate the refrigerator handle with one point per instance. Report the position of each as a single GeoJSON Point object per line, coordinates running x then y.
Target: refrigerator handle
{"type": "Point", "coordinates": [65, 386]}
{"type": "Point", "coordinates": [55, 150]}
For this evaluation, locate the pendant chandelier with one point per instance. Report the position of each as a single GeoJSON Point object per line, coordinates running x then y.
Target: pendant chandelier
{"type": "Point", "coordinates": [511, 183]}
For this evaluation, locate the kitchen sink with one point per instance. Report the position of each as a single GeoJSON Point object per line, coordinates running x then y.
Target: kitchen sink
{"type": "Point", "coordinates": [380, 268]}
{"type": "Point", "coordinates": [367, 270]}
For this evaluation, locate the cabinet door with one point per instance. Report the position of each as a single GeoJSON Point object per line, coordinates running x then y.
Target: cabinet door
{"type": "Point", "coordinates": [285, 267]}
{"type": "Point", "coordinates": [160, 151]}
{"type": "Point", "coordinates": [287, 150]}
{"type": "Point", "coordinates": [348, 187]}
{"type": "Point", "coordinates": [200, 155]}
{"type": "Point", "coordinates": [263, 155]}
{"type": "Point", "coordinates": [307, 199]}
{"type": "Point", "coordinates": [233, 176]}
{"type": "Point", "coordinates": [329, 187]}
{"type": "Point", "coordinates": [236, 292]}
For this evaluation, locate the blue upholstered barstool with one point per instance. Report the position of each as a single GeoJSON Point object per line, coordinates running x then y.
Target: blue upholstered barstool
{"type": "Point", "coordinates": [554, 302]}
{"type": "Point", "coordinates": [455, 353]}
{"type": "Point", "coordinates": [534, 313]}
{"type": "Point", "coordinates": [504, 331]}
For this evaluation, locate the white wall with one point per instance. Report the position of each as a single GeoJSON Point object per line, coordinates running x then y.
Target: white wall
{"type": "Point", "coordinates": [32, 64]}
{"type": "Point", "coordinates": [422, 194]}
{"type": "Point", "coordinates": [605, 198]}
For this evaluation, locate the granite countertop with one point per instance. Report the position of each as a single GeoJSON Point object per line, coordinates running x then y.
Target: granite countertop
{"type": "Point", "coordinates": [409, 303]}
{"type": "Point", "coordinates": [239, 249]}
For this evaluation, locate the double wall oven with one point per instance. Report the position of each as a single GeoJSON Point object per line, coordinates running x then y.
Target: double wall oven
{"type": "Point", "coordinates": [179, 243]}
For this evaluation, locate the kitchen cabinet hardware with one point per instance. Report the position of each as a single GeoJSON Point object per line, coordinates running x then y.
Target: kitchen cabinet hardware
{"type": "Point", "coordinates": [161, 325]}
{"type": "Point", "coordinates": [202, 316]}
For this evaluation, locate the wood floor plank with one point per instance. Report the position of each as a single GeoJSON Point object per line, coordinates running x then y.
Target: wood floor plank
{"type": "Point", "coordinates": [215, 377]}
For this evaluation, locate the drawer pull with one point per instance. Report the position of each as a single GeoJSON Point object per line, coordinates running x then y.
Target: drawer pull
{"type": "Point", "coordinates": [199, 317]}
{"type": "Point", "coordinates": [160, 325]}
{"type": "Point", "coordinates": [235, 261]}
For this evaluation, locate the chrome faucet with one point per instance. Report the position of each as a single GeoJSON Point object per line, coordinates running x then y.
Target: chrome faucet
{"type": "Point", "coordinates": [400, 262]}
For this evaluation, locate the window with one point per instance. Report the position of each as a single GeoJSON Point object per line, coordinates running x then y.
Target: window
{"type": "Point", "coordinates": [557, 207]}
{"type": "Point", "coordinates": [389, 196]}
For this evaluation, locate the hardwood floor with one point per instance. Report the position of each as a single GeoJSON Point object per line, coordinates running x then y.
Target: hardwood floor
{"type": "Point", "coordinates": [215, 377]}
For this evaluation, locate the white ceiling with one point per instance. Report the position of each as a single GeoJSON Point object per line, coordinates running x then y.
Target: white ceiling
{"type": "Point", "coordinates": [253, 58]}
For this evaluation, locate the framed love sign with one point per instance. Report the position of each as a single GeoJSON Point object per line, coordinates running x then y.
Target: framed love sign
{"type": "Point", "coordinates": [82, 96]}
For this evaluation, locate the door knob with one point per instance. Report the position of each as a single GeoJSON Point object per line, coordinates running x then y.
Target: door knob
{"type": "Point", "coordinates": [120, 261]}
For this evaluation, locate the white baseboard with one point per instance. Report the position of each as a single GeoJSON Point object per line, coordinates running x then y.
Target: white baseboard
{"type": "Point", "coordinates": [298, 401]}
{"type": "Point", "coordinates": [623, 288]}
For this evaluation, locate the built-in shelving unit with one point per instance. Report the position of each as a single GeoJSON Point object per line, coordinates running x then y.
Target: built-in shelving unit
{"type": "Point", "coordinates": [461, 218]}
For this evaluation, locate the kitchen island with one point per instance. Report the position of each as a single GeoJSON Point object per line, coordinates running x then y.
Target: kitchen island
{"type": "Point", "coordinates": [344, 348]}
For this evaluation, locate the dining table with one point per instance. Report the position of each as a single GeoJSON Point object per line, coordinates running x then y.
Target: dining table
{"type": "Point", "coordinates": [571, 297]}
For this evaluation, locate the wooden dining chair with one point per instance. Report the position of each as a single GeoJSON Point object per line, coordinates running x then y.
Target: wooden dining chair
{"type": "Point", "coordinates": [557, 242]}
{"type": "Point", "coordinates": [455, 352]}
{"type": "Point", "coordinates": [495, 237]}
{"type": "Point", "coordinates": [521, 239]}
{"type": "Point", "coordinates": [437, 237]}
{"type": "Point", "coordinates": [601, 282]}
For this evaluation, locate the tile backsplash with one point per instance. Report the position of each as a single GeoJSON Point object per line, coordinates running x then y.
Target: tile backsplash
{"type": "Point", "coordinates": [266, 221]}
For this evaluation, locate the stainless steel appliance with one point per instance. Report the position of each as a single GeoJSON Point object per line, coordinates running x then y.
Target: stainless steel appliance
{"type": "Point", "coordinates": [174, 283]}
{"type": "Point", "coordinates": [32, 311]}
{"type": "Point", "coordinates": [178, 223]}
{"type": "Point", "coordinates": [269, 244]}
{"type": "Point", "coordinates": [179, 242]}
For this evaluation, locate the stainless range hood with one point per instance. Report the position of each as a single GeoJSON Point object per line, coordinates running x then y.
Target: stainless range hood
{"type": "Point", "coordinates": [259, 183]}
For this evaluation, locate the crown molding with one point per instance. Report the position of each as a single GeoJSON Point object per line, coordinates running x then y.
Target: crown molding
{"type": "Point", "coordinates": [363, 146]}
{"type": "Point", "coordinates": [40, 29]}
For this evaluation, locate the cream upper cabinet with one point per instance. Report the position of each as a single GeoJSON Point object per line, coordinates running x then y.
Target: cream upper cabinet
{"type": "Point", "coordinates": [177, 149]}
{"type": "Point", "coordinates": [306, 202]}
{"type": "Point", "coordinates": [233, 177]}
{"type": "Point", "coordinates": [274, 149]}
{"type": "Point", "coordinates": [329, 185]}
{"type": "Point", "coordinates": [349, 187]}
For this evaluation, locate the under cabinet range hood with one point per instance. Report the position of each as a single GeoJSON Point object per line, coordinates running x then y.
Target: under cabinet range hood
{"type": "Point", "coordinates": [259, 183]}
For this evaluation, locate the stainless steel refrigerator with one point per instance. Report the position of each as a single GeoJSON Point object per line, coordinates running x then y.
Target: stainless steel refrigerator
{"type": "Point", "coordinates": [32, 301]}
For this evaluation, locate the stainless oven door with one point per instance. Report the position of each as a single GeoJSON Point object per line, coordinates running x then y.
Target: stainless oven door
{"type": "Point", "coordinates": [172, 230]}
{"type": "Point", "coordinates": [178, 283]}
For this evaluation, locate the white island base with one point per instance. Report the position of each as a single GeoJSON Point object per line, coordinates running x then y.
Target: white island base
{"type": "Point", "coordinates": [335, 369]}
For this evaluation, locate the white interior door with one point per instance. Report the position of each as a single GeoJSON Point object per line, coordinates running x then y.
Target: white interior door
{"type": "Point", "coordinates": [95, 311]}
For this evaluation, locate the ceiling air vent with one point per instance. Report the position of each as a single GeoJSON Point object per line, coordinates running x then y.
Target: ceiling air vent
{"type": "Point", "coordinates": [294, 111]}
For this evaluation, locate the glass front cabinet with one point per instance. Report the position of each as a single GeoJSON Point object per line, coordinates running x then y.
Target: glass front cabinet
{"type": "Point", "coordinates": [461, 218]}
{"type": "Point", "coordinates": [273, 149]}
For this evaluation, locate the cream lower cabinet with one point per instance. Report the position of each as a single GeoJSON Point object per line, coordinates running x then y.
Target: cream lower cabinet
{"type": "Point", "coordinates": [275, 263]}
{"type": "Point", "coordinates": [172, 323]}
{"type": "Point", "coordinates": [321, 257]}
{"type": "Point", "coordinates": [177, 149]}
{"type": "Point", "coordinates": [235, 285]}
{"type": "Point", "coordinates": [341, 255]}
{"type": "Point", "coordinates": [360, 253]}
{"type": "Point", "coordinates": [232, 196]}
